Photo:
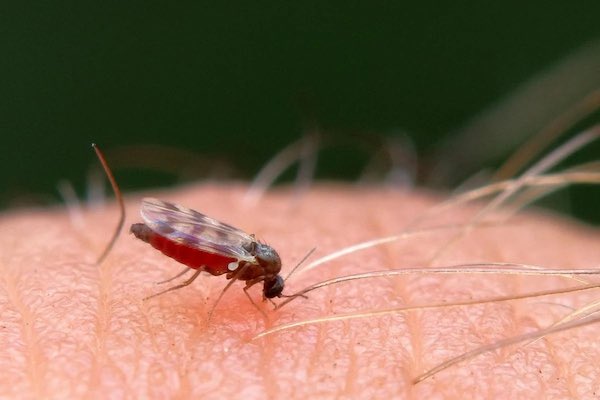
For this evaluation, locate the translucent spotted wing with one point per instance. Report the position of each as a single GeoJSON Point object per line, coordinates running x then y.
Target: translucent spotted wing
{"type": "Point", "coordinates": [194, 229]}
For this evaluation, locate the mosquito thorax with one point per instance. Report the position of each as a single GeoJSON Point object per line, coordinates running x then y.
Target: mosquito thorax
{"type": "Point", "coordinates": [270, 262]}
{"type": "Point", "coordinates": [267, 258]}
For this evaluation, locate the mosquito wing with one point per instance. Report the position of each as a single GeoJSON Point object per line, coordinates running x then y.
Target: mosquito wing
{"type": "Point", "coordinates": [196, 230]}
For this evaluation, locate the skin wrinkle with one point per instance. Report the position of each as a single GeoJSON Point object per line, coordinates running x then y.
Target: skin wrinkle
{"type": "Point", "coordinates": [23, 297]}
{"type": "Point", "coordinates": [267, 358]}
{"type": "Point", "coordinates": [317, 351]}
{"type": "Point", "coordinates": [402, 293]}
{"type": "Point", "coordinates": [35, 363]}
{"type": "Point", "coordinates": [550, 349]}
{"type": "Point", "coordinates": [101, 328]}
{"type": "Point", "coordinates": [163, 348]}
{"type": "Point", "coordinates": [351, 374]}
{"type": "Point", "coordinates": [313, 356]}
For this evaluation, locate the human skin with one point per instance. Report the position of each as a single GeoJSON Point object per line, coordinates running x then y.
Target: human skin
{"type": "Point", "coordinates": [71, 329]}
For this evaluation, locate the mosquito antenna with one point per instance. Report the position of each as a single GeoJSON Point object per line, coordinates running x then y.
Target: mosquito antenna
{"type": "Point", "coordinates": [118, 196]}
{"type": "Point", "coordinates": [300, 263]}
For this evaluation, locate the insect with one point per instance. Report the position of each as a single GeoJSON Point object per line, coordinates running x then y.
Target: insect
{"type": "Point", "coordinates": [205, 244]}
{"type": "Point", "coordinates": [202, 244]}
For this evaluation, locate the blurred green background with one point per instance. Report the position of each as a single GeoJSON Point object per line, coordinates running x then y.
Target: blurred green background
{"type": "Point", "coordinates": [237, 81]}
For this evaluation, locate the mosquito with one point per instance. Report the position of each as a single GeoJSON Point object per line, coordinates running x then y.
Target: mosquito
{"type": "Point", "coordinates": [203, 244]}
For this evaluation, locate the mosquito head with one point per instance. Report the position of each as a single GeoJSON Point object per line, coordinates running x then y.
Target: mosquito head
{"type": "Point", "coordinates": [270, 262]}
{"type": "Point", "coordinates": [273, 287]}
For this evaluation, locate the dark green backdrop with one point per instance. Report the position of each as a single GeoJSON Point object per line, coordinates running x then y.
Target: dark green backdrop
{"type": "Point", "coordinates": [239, 79]}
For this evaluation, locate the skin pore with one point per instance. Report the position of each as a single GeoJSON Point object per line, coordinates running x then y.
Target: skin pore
{"type": "Point", "coordinates": [71, 329]}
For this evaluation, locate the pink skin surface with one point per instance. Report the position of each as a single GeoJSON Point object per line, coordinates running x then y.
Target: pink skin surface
{"type": "Point", "coordinates": [70, 329]}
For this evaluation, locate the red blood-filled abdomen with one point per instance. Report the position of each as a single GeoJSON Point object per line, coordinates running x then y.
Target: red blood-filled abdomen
{"type": "Point", "coordinates": [214, 264]}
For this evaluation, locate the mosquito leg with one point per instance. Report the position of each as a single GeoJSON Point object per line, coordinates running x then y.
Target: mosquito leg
{"type": "Point", "coordinates": [184, 284]}
{"type": "Point", "coordinates": [273, 303]}
{"type": "Point", "coordinates": [233, 279]}
{"type": "Point", "coordinates": [175, 277]}
{"type": "Point", "coordinates": [253, 302]}
{"type": "Point", "coordinates": [293, 296]}
{"type": "Point", "coordinates": [249, 284]}
{"type": "Point", "coordinates": [289, 297]}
